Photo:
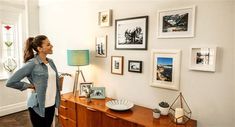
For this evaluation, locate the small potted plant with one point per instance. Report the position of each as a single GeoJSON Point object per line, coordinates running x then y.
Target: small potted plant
{"type": "Point", "coordinates": [156, 113]}
{"type": "Point", "coordinates": [164, 107]}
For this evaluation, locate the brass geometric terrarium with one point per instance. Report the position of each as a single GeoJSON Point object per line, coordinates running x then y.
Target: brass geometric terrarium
{"type": "Point", "coordinates": [179, 111]}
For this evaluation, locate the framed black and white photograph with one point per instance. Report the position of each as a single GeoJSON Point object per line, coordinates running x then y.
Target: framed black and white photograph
{"type": "Point", "coordinates": [105, 18]}
{"type": "Point", "coordinates": [165, 68]}
{"type": "Point", "coordinates": [131, 33]}
{"type": "Point", "coordinates": [174, 23]}
{"type": "Point", "coordinates": [135, 66]}
{"type": "Point", "coordinates": [101, 46]}
{"type": "Point", "coordinates": [117, 65]}
{"type": "Point", "coordinates": [84, 88]}
{"type": "Point", "coordinates": [98, 93]}
{"type": "Point", "coordinates": [203, 58]}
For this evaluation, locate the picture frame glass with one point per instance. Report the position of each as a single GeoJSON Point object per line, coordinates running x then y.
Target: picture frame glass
{"type": "Point", "coordinates": [165, 69]}
{"type": "Point", "coordinates": [131, 33]}
{"type": "Point", "coordinates": [98, 92]}
{"type": "Point", "coordinates": [101, 46]}
{"type": "Point", "coordinates": [135, 66]}
{"type": "Point", "coordinates": [175, 23]}
{"type": "Point", "coordinates": [203, 58]}
{"type": "Point", "coordinates": [84, 87]}
{"type": "Point", "coordinates": [117, 65]}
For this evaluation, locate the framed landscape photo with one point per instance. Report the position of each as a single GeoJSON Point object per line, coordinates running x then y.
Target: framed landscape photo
{"type": "Point", "coordinates": [117, 65]}
{"type": "Point", "coordinates": [203, 58]}
{"type": "Point", "coordinates": [165, 68]}
{"type": "Point", "coordinates": [105, 18]}
{"type": "Point", "coordinates": [174, 23]}
{"type": "Point", "coordinates": [135, 66]}
{"type": "Point", "coordinates": [101, 46]}
{"type": "Point", "coordinates": [98, 93]}
{"type": "Point", "coordinates": [131, 33]}
{"type": "Point", "coordinates": [84, 86]}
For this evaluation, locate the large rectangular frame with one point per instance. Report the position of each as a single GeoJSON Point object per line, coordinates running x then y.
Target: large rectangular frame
{"type": "Point", "coordinates": [165, 68]}
{"type": "Point", "coordinates": [131, 33]}
{"type": "Point", "coordinates": [175, 23]}
{"type": "Point", "coordinates": [203, 58]}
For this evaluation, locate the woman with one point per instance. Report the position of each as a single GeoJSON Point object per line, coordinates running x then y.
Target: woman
{"type": "Point", "coordinates": [43, 77]}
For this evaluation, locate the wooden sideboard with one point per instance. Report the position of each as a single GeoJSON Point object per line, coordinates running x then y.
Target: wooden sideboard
{"type": "Point", "coordinates": [77, 112]}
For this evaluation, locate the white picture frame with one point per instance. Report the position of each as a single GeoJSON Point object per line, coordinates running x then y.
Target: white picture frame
{"type": "Point", "coordinates": [176, 23]}
{"type": "Point", "coordinates": [105, 18]}
{"type": "Point", "coordinates": [203, 58]}
{"type": "Point", "coordinates": [101, 46]}
{"type": "Point", "coordinates": [165, 68]}
{"type": "Point", "coordinates": [84, 86]}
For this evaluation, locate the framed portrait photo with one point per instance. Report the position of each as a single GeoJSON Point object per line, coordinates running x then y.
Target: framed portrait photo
{"type": "Point", "coordinates": [84, 86]}
{"type": "Point", "coordinates": [135, 66]}
{"type": "Point", "coordinates": [203, 58]}
{"type": "Point", "coordinates": [165, 69]}
{"type": "Point", "coordinates": [101, 46]}
{"type": "Point", "coordinates": [105, 18]}
{"type": "Point", "coordinates": [175, 23]}
{"type": "Point", "coordinates": [131, 33]}
{"type": "Point", "coordinates": [117, 65]}
{"type": "Point", "coordinates": [98, 93]}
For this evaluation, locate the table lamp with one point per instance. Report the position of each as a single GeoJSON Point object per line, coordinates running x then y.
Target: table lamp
{"type": "Point", "coordinates": [77, 58]}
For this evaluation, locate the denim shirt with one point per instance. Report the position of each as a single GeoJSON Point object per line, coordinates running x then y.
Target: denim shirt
{"type": "Point", "coordinates": [37, 73]}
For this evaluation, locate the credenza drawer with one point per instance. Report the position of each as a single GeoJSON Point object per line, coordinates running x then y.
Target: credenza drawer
{"type": "Point", "coordinates": [66, 122]}
{"type": "Point", "coordinates": [67, 103]}
{"type": "Point", "coordinates": [67, 112]}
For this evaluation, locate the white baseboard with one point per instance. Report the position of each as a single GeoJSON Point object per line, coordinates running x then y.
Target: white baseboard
{"type": "Point", "coordinates": [13, 108]}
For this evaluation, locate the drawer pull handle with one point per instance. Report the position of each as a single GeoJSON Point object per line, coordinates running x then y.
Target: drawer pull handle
{"type": "Point", "coordinates": [111, 116]}
{"type": "Point", "coordinates": [63, 100]}
{"type": "Point", "coordinates": [65, 108]}
{"type": "Point", "coordinates": [91, 109]}
{"type": "Point", "coordinates": [65, 118]}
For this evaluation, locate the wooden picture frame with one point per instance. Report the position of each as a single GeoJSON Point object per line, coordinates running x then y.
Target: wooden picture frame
{"type": "Point", "coordinates": [105, 18]}
{"type": "Point", "coordinates": [176, 23]}
{"type": "Point", "coordinates": [135, 66]}
{"type": "Point", "coordinates": [131, 33]}
{"type": "Point", "coordinates": [203, 58]}
{"type": "Point", "coordinates": [117, 65]}
{"type": "Point", "coordinates": [101, 46]}
{"type": "Point", "coordinates": [165, 68]}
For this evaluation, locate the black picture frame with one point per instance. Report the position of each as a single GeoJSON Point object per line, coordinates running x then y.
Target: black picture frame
{"type": "Point", "coordinates": [131, 33]}
{"type": "Point", "coordinates": [135, 66]}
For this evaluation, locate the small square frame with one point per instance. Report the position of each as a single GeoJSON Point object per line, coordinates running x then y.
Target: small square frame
{"type": "Point", "coordinates": [98, 93]}
{"type": "Point", "coordinates": [101, 46]}
{"type": "Point", "coordinates": [135, 66]}
{"type": "Point", "coordinates": [105, 18]}
{"type": "Point", "coordinates": [165, 68]}
{"type": "Point", "coordinates": [117, 65]}
{"type": "Point", "coordinates": [176, 23]}
{"type": "Point", "coordinates": [203, 58]}
{"type": "Point", "coordinates": [83, 86]}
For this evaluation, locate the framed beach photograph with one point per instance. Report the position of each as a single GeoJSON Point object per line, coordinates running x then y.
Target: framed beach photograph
{"type": "Point", "coordinates": [84, 87]}
{"type": "Point", "coordinates": [203, 58]}
{"type": "Point", "coordinates": [174, 23]}
{"type": "Point", "coordinates": [165, 68]}
{"type": "Point", "coordinates": [101, 46]}
{"type": "Point", "coordinates": [117, 65]}
{"type": "Point", "coordinates": [105, 18]}
{"type": "Point", "coordinates": [98, 93]}
{"type": "Point", "coordinates": [131, 33]}
{"type": "Point", "coordinates": [135, 66]}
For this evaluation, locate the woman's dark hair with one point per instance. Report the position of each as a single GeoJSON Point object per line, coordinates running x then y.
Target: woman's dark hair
{"type": "Point", "coordinates": [31, 45]}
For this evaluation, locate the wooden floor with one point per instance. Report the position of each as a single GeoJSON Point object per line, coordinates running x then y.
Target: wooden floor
{"type": "Point", "coordinates": [20, 119]}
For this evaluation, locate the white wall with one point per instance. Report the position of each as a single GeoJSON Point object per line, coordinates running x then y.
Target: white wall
{"type": "Point", "coordinates": [73, 24]}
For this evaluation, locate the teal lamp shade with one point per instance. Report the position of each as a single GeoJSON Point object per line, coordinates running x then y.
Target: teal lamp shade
{"type": "Point", "coordinates": [78, 57]}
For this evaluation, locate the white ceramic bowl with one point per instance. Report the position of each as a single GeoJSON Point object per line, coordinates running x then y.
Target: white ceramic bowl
{"type": "Point", "coordinates": [119, 105]}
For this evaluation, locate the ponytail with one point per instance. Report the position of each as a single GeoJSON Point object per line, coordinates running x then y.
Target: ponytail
{"type": "Point", "coordinates": [28, 51]}
{"type": "Point", "coordinates": [32, 43]}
